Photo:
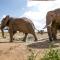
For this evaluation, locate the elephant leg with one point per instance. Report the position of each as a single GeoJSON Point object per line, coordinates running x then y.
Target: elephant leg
{"type": "Point", "coordinates": [54, 32]}
{"type": "Point", "coordinates": [11, 35]}
{"type": "Point", "coordinates": [24, 39]}
{"type": "Point", "coordinates": [49, 30]}
{"type": "Point", "coordinates": [14, 33]}
{"type": "Point", "coordinates": [35, 36]}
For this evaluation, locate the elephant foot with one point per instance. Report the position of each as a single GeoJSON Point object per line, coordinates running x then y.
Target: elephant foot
{"type": "Point", "coordinates": [35, 40]}
{"type": "Point", "coordinates": [24, 40]}
{"type": "Point", "coordinates": [11, 41]}
{"type": "Point", "coordinates": [4, 37]}
{"type": "Point", "coordinates": [49, 41]}
{"type": "Point", "coordinates": [55, 39]}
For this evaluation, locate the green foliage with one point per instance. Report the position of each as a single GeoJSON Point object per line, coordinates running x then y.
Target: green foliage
{"type": "Point", "coordinates": [52, 54]}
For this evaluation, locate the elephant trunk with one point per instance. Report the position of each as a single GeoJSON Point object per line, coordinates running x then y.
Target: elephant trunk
{"type": "Point", "coordinates": [1, 27]}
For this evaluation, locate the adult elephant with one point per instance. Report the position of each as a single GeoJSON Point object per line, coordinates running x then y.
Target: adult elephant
{"type": "Point", "coordinates": [53, 23]}
{"type": "Point", "coordinates": [22, 24]}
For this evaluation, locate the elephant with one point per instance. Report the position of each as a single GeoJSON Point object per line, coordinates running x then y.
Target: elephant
{"type": "Point", "coordinates": [22, 24]}
{"type": "Point", "coordinates": [53, 23]}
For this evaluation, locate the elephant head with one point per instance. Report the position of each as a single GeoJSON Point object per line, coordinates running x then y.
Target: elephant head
{"type": "Point", "coordinates": [50, 18]}
{"type": "Point", "coordinates": [4, 24]}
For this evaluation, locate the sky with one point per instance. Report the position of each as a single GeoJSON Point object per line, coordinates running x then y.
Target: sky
{"type": "Point", "coordinates": [41, 0]}
{"type": "Point", "coordinates": [35, 10]}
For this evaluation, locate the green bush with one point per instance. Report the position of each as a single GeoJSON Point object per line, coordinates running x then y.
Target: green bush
{"type": "Point", "coordinates": [52, 54]}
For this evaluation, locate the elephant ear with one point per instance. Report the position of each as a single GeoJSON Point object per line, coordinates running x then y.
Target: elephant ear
{"type": "Point", "coordinates": [6, 19]}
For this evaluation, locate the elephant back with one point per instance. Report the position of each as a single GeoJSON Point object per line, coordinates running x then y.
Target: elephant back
{"type": "Point", "coordinates": [57, 10]}
{"type": "Point", "coordinates": [28, 21]}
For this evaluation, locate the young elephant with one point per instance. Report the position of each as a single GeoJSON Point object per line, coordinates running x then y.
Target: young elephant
{"type": "Point", "coordinates": [23, 24]}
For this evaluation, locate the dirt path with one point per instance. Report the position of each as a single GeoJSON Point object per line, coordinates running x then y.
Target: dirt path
{"type": "Point", "coordinates": [19, 50]}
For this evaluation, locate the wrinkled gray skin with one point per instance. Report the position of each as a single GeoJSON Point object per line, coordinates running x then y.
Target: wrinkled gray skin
{"type": "Point", "coordinates": [53, 23]}
{"type": "Point", "coordinates": [23, 24]}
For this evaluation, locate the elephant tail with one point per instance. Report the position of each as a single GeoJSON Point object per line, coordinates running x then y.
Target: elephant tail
{"type": "Point", "coordinates": [34, 27]}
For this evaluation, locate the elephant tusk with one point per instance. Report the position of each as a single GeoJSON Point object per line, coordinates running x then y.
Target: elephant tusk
{"type": "Point", "coordinates": [49, 25]}
{"type": "Point", "coordinates": [44, 27]}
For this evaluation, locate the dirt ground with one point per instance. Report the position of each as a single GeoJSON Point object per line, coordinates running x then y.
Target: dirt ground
{"type": "Point", "coordinates": [19, 50]}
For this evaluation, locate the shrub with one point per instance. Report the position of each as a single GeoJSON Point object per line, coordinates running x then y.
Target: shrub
{"type": "Point", "coordinates": [52, 54]}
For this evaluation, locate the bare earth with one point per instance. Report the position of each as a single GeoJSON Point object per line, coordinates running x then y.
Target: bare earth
{"type": "Point", "coordinates": [19, 50]}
